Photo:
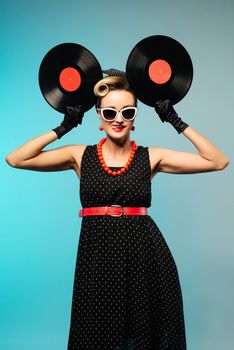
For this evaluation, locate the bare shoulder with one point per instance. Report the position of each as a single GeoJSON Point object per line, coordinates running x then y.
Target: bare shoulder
{"type": "Point", "coordinates": [175, 162]}
{"type": "Point", "coordinates": [155, 156]}
{"type": "Point", "coordinates": [77, 152]}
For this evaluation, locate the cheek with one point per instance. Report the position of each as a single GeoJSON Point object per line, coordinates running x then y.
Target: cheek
{"type": "Point", "coordinates": [105, 124]}
{"type": "Point", "coordinates": [101, 120]}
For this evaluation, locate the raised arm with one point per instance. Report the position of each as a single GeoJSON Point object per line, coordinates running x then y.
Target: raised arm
{"type": "Point", "coordinates": [209, 157]}
{"type": "Point", "coordinates": [31, 156]}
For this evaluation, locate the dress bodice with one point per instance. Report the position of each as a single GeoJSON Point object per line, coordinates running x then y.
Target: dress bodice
{"type": "Point", "coordinates": [132, 188]}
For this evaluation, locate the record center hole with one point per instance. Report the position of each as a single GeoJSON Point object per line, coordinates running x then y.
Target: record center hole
{"type": "Point", "coordinates": [70, 79]}
{"type": "Point", "coordinates": [160, 71]}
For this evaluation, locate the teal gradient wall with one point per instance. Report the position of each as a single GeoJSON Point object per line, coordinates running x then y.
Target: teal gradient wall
{"type": "Point", "coordinates": [39, 223]}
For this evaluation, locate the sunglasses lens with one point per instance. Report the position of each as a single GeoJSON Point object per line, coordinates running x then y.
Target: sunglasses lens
{"type": "Point", "coordinates": [109, 114]}
{"type": "Point", "coordinates": [128, 113]}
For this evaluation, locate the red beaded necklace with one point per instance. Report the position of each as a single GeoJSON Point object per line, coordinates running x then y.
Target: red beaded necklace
{"type": "Point", "coordinates": [105, 167]}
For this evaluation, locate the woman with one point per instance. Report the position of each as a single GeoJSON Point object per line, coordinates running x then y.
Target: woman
{"type": "Point", "coordinates": [126, 292]}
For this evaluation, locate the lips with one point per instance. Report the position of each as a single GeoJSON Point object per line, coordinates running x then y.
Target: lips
{"type": "Point", "coordinates": [117, 127]}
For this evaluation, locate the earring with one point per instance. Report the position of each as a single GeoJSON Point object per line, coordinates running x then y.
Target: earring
{"type": "Point", "coordinates": [133, 128]}
{"type": "Point", "coordinates": [100, 128]}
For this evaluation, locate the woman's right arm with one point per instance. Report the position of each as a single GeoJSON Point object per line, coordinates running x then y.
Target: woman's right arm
{"type": "Point", "coordinates": [30, 155]}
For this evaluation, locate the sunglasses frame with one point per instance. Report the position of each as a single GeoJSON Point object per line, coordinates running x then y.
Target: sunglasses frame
{"type": "Point", "coordinates": [117, 111]}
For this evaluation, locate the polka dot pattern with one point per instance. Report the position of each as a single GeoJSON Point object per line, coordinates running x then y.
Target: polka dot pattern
{"type": "Point", "coordinates": [126, 293]}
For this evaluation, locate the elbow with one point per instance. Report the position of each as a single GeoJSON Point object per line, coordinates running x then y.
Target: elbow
{"type": "Point", "coordinates": [223, 164]}
{"type": "Point", "coordinates": [226, 164]}
{"type": "Point", "coordinates": [10, 162]}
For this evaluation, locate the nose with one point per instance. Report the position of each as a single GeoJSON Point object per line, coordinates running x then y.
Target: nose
{"type": "Point", "coordinates": [119, 117]}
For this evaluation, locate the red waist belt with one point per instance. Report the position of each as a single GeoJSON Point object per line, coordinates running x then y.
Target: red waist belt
{"type": "Point", "coordinates": [113, 210]}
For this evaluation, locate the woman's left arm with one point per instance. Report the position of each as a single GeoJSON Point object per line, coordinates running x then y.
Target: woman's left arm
{"type": "Point", "coordinates": [209, 157]}
{"type": "Point", "coordinates": [207, 150]}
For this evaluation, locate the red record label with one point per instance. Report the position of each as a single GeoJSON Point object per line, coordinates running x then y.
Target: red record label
{"type": "Point", "coordinates": [70, 79]}
{"type": "Point", "coordinates": [160, 71]}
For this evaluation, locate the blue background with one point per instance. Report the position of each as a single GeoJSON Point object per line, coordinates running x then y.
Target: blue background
{"type": "Point", "coordinates": [39, 223]}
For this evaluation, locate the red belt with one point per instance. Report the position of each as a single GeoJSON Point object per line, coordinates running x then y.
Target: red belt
{"type": "Point", "coordinates": [113, 210]}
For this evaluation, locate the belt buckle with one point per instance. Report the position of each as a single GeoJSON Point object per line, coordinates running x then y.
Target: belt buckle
{"type": "Point", "coordinates": [117, 205]}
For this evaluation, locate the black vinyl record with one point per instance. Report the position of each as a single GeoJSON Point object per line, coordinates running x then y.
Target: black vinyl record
{"type": "Point", "coordinates": [67, 75]}
{"type": "Point", "coordinates": [159, 68]}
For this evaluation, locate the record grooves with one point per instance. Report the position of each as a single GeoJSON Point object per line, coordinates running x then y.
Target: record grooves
{"type": "Point", "coordinates": [158, 68]}
{"type": "Point", "coordinates": [67, 75]}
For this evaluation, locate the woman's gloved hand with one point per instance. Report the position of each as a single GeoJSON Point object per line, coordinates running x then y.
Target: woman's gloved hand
{"type": "Point", "coordinates": [166, 112]}
{"type": "Point", "coordinates": [72, 118]}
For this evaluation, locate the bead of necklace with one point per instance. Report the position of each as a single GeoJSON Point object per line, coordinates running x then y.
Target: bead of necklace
{"type": "Point", "coordinates": [105, 167]}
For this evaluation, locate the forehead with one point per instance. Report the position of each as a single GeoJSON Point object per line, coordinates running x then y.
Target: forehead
{"type": "Point", "coordinates": [118, 99]}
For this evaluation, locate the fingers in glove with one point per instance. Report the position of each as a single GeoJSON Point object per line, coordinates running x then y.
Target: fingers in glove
{"type": "Point", "coordinates": [76, 113]}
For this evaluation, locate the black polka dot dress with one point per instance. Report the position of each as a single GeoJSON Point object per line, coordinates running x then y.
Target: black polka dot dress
{"type": "Point", "coordinates": [126, 293]}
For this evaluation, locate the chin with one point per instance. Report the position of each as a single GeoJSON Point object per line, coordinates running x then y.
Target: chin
{"type": "Point", "coordinates": [119, 134]}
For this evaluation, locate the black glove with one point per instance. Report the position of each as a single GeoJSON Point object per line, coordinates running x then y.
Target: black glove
{"type": "Point", "coordinates": [166, 112]}
{"type": "Point", "coordinates": [72, 118]}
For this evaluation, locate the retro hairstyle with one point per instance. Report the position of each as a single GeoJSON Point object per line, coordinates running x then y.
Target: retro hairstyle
{"type": "Point", "coordinates": [110, 83]}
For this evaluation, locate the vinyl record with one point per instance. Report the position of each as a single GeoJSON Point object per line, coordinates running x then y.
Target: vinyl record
{"type": "Point", "coordinates": [159, 68]}
{"type": "Point", "coordinates": [67, 75]}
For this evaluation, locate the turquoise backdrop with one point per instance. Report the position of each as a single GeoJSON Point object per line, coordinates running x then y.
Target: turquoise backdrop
{"type": "Point", "coordinates": [39, 222]}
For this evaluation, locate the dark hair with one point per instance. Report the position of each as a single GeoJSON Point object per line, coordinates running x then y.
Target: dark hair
{"type": "Point", "coordinates": [110, 83]}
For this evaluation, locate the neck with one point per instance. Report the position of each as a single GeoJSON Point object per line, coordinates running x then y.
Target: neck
{"type": "Point", "coordinates": [117, 147]}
